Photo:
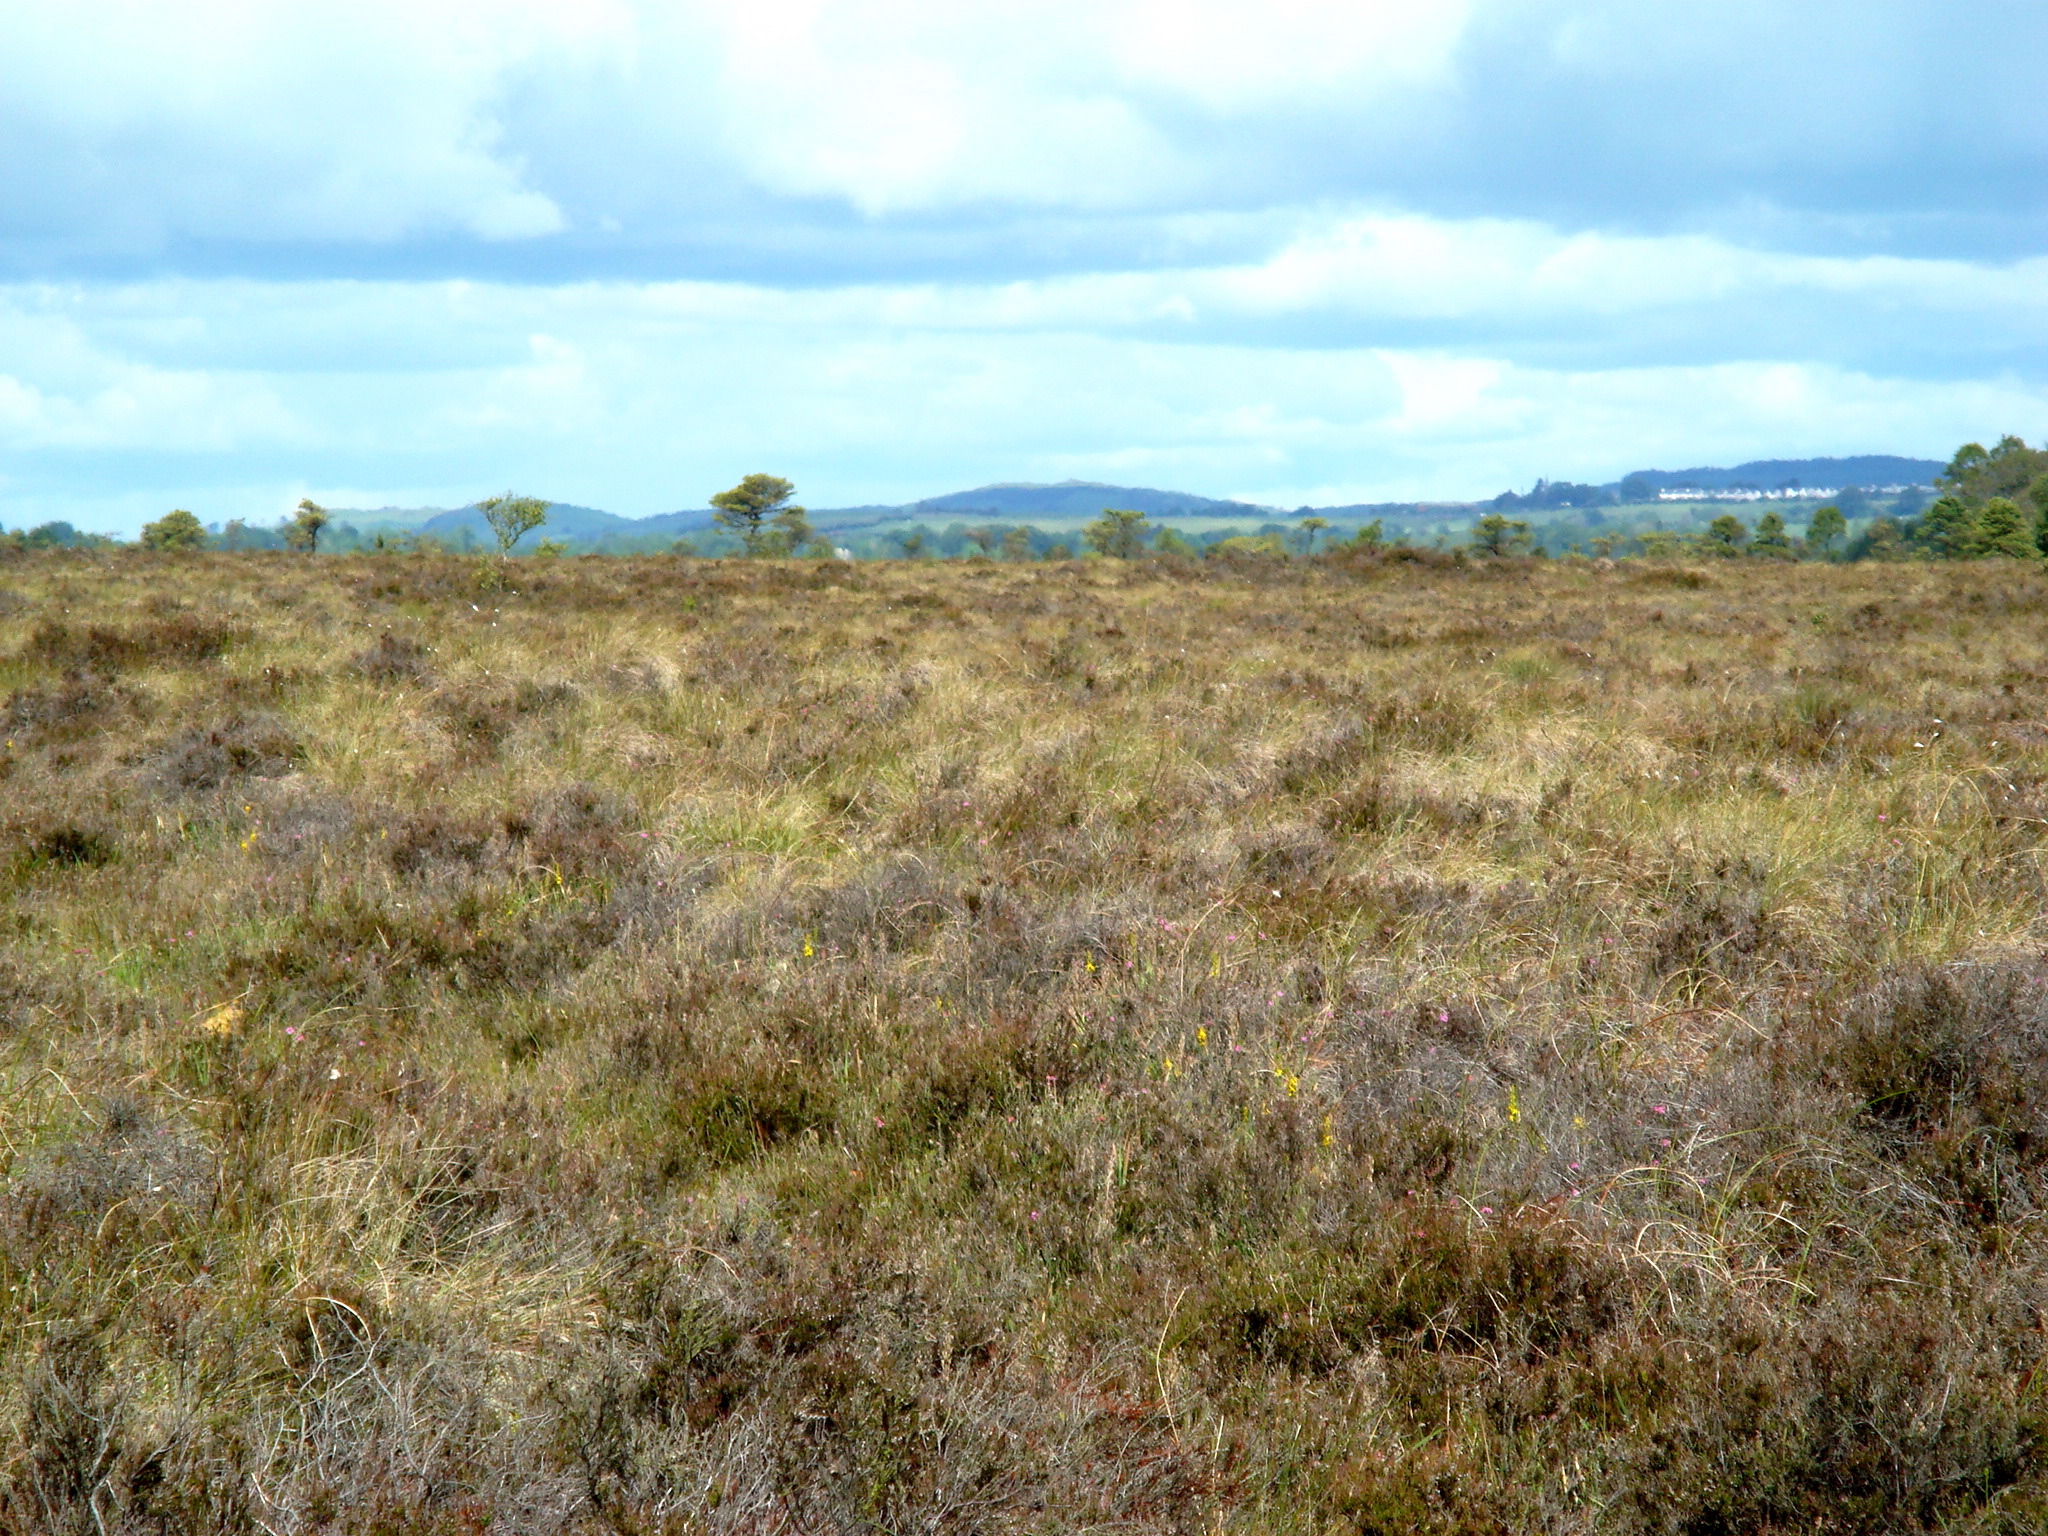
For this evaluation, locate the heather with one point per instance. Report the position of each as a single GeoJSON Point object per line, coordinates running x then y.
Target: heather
{"type": "Point", "coordinates": [1388, 1042]}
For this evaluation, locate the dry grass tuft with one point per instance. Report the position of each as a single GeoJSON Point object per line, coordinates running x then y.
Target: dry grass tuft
{"type": "Point", "coordinates": [1394, 1044]}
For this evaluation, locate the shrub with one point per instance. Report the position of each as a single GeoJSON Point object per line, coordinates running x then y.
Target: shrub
{"type": "Point", "coordinates": [178, 530]}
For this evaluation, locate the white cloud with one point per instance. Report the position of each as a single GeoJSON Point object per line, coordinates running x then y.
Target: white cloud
{"type": "Point", "coordinates": [240, 396]}
{"type": "Point", "coordinates": [248, 119]}
{"type": "Point", "coordinates": [124, 122]}
{"type": "Point", "coordinates": [1230, 56]}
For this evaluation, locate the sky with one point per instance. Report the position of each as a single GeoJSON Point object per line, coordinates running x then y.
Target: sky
{"type": "Point", "coordinates": [621, 253]}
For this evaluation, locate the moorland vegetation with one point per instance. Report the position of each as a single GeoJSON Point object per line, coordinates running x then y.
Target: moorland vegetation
{"type": "Point", "coordinates": [1387, 1042]}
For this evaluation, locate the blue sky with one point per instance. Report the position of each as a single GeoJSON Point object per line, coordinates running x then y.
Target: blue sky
{"type": "Point", "coordinates": [405, 252]}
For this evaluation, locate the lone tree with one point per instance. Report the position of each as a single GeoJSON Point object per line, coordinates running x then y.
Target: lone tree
{"type": "Point", "coordinates": [512, 518]}
{"type": "Point", "coordinates": [1825, 529]}
{"type": "Point", "coordinates": [1311, 526]}
{"type": "Point", "coordinates": [1726, 535]}
{"type": "Point", "coordinates": [175, 531]}
{"type": "Point", "coordinates": [1494, 534]}
{"type": "Point", "coordinates": [1770, 541]}
{"type": "Point", "coordinates": [1118, 534]}
{"type": "Point", "coordinates": [303, 531]}
{"type": "Point", "coordinates": [758, 510]}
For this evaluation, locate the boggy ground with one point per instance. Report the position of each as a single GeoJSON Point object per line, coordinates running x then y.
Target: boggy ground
{"type": "Point", "coordinates": [703, 1047]}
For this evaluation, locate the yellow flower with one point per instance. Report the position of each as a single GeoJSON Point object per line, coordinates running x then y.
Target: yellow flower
{"type": "Point", "coordinates": [808, 949]}
{"type": "Point", "coordinates": [1514, 1107]}
{"type": "Point", "coordinates": [1329, 1137]}
{"type": "Point", "coordinates": [226, 1020]}
{"type": "Point", "coordinates": [1201, 1035]}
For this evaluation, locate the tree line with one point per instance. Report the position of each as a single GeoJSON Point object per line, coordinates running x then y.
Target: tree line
{"type": "Point", "coordinates": [1993, 505]}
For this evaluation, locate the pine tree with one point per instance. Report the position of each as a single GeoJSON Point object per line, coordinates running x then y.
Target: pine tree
{"type": "Point", "coordinates": [1726, 535]}
{"type": "Point", "coordinates": [1117, 534]}
{"type": "Point", "coordinates": [1946, 531]}
{"type": "Point", "coordinates": [303, 531]}
{"type": "Point", "coordinates": [1770, 540]}
{"type": "Point", "coordinates": [1826, 528]}
{"type": "Point", "coordinates": [747, 508]}
{"type": "Point", "coordinates": [2006, 529]}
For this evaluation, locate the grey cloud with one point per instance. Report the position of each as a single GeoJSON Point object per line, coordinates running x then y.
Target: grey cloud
{"type": "Point", "coordinates": [1905, 125]}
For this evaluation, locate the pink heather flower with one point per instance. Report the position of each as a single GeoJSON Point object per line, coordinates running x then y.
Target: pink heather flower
{"type": "Point", "coordinates": [1657, 1109]}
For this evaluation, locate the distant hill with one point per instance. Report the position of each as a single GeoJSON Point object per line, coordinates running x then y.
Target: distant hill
{"type": "Point", "coordinates": [591, 526]}
{"type": "Point", "coordinates": [1076, 498]}
{"type": "Point", "coordinates": [1869, 469]}
{"type": "Point", "coordinates": [566, 521]}
{"type": "Point", "coordinates": [1024, 502]}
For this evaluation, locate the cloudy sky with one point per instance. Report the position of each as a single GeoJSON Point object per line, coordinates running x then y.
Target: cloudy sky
{"type": "Point", "coordinates": [621, 252]}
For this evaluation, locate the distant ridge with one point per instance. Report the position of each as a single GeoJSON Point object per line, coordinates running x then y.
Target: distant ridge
{"type": "Point", "coordinates": [1079, 498]}
{"type": "Point", "coordinates": [1024, 501]}
{"type": "Point", "coordinates": [1867, 470]}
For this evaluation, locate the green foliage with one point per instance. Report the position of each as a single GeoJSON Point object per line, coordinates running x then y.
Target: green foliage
{"type": "Point", "coordinates": [59, 535]}
{"type": "Point", "coordinates": [1170, 541]}
{"type": "Point", "coordinates": [758, 510]}
{"type": "Point", "coordinates": [1977, 474]}
{"type": "Point", "coordinates": [1826, 529]}
{"type": "Point", "coordinates": [303, 531]}
{"type": "Point", "coordinates": [1310, 527]}
{"type": "Point", "coordinates": [512, 518]}
{"type": "Point", "coordinates": [1495, 534]}
{"type": "Point", "coordinates": [1117, 534]}
{"type": "Point", "coordinates": [1771, 541]}
{"type": "Point", "coordinates": [1727, 534]}
{"type": "Point", "coordinates": [1370, 536]}
{"type": "Point", "coordinates": [176, 530]}
{"type": "Point", "coordinates": [1884, 539]}
{"type": "Point", "coordinates": [1945, 531]}
{"type": "Point", "coordinates": [2007, 530]}
{"type": "Point", "coordinates": [1268, 546]}
{"type": "Point", "coordinates": [792, 534]}
{"type": "Point", "coordinates": [1017, 544]}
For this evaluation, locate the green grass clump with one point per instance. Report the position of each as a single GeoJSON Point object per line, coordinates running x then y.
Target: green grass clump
{"type": "Point", "coordinates": [1365, 1045]}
